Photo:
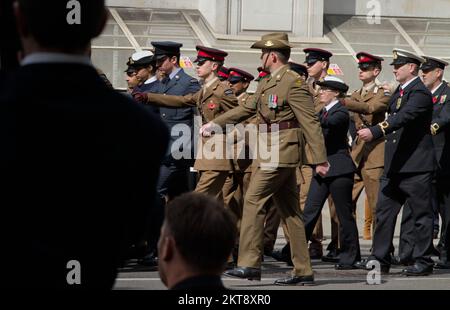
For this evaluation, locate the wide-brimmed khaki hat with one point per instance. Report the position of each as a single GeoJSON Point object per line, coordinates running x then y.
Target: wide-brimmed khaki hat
{"type": "Point", "coordinates": [273, 41]}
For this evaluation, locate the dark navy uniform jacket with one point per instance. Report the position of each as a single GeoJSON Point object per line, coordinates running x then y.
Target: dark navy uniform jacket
{"type": "Point", "coordinates": [152, 87]}
{"type": "Point", "coordinates": [181, 84]}
{"type": "Point", "coordinates": [441, 116]}
{"type": "Point", "coordinates": [335, 124]}
{"type": "Point", "coordinates": [409, 146]}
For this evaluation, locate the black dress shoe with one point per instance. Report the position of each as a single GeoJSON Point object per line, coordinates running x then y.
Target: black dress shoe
{"type": "Point", "coordinates": [369, 264]}
{"type": "Point", "coordinates": [345, 267]}
{"type": "Point", "coordinates": [331, 257]}
{"type": "Point", "coordinates": [244, 273]}
{"type": "Point", "coordinates": [296, 280]}
{"type": "Point", "coordinates": [361, 264]}
{"type": "Point", "coordinates": [283, 256]}
{"type": "Point", "coordinates": [442, 265]}
{"type": "Point", "coordinates": [315, 253]}
{"type": "Point", "coordinates": [418, 270]}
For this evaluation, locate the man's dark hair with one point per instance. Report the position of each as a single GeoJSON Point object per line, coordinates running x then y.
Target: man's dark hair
{"type": "Point", "coordinates": [283, 54]}
{"type": "Point", "coordinates": [47, 21]}
{"type": "Point", "coordinates": [204, 231]}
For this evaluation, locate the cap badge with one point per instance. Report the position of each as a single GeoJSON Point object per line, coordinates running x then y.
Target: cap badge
{"type": "Point", "coordinates": [395, 55]}
{"type": "Point", "coordinates": [269, 43]}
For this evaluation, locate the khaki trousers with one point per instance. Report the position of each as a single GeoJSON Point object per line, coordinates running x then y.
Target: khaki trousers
{"type": "Point", "coordinates": [280, 185]}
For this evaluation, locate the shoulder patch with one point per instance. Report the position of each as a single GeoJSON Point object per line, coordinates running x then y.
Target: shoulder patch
{"type": "Point", "coordinates": [228, 92]}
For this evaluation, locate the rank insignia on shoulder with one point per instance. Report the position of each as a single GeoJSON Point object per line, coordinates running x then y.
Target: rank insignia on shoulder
{"type": "Point", "coordinates": [228, 92]}
{"type": "Point", "coordinates": [299, 82]}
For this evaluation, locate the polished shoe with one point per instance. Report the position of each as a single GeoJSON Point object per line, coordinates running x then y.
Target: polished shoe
{"type": "Point", "coordinates": [331, 257]}
{"type": "Point", "coordinates": [296, 280]}
{"type": "Point", "coordinates": [345, 267]}
{"type": "Point", "coordinates": [418, 270]}
{"type": "Point", "coordinates": [315, 253]}
{"type": "Point", "coordinates": [368, 264]}
{"type": "Point", "coordinates": [244, 273]}
{"type": "Point", "coordinates": [442, 265]}
{"type": "Point", "coordinates": [362, 264]}
{"type": "Point", "coordinates": [283, 255]}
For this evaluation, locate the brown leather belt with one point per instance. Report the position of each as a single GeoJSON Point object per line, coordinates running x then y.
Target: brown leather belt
{"type": "Point", "coordinates": [281, 126]}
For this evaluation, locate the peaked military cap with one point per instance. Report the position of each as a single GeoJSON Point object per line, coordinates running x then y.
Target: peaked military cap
{"type": "Point", "coordinates": [334, 83]}
{"type": "Point", "coordinates": [208, 53]}
{"type": "Point", "coordinates": [402, 57]}
{"type": "Point", "coordinates": [433, 63]}
{"type": "Point", "coordinates": [262, 73]}
{"type": "Point", "coordinates": [142, 58]}
{"type": "Point", "coordinates": [299, 68]}
{"type": "Point", "coordinates": [223, 73]}
{"type": "Point", "coordinates": [366, 60]}
{"type": "Point", "coordinates": [238, 75]}
{"type": "Point", "coordinates": [316, 54]}
{"type": "Point", "coordinates": [166, 48]}
{"type": "Point", "coordinates": [273, 41]}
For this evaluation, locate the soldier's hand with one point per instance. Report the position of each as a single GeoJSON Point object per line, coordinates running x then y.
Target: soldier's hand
{"type": "Point", "coordinates": [206, 130]}
{"type": "Point", "coordinates": [365, 134]}
{"type": "Point", "coordinates": [323, 168]}
{"type": "Point", "coordinates": [140, 97]}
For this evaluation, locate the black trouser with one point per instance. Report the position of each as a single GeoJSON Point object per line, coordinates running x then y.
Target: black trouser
{"type": "Point", "coordinates": [173, 181]}
{"type": "Point", "coordinates": [340, 188]}
{"type": "Point", "coordinates": [414, 190]}
{"type": "Point", "coordinates": [443, 194]}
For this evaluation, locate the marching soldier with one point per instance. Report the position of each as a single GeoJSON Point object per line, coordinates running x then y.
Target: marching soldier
{"type": "Point", "coordinates": [174, 172]}
{"type": "Point", "coordinates": [335, 121]}
{"type": "Point", "coordinates": [282, 99]}
{"type": "Point", "coordinates": [369, 105]}
{"type": "Point", "coordinates": [317, 62]}
{"type": "Point", "coordinates": [432, 73]}
{"type": "Point", "coordinates": [408, 166]}
{"type": "Point", "coordinates": [237, 182]}
{"type": "Point", "coordinates": [211, 100]}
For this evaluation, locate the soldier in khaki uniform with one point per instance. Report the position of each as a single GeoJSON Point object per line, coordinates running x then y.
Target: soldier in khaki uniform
{"type": "Point", "coordinates": [283, 100]}
{"type": "Point", "coordinates": [233, 189]}
{"type": "Point", "coordinates": [237, 183]}
{"type": "Point", "coordinates": [369, 104]}
{"type": "Point", "coordinates": [213, 99]}
{"type": "Point", "coordinates": [317, 61]}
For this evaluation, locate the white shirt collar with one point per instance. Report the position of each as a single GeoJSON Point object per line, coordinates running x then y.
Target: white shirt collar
{"type": "Point", "coordinates": [332, 104]}
{"type": "Point", "coordinates": [435, 90]}
{"type": "Point", "coordinates": [409, 82]}
{"type": "Point", "coordinates": [151, 80]}
{"type": "Point", "coordinates": [174, 72]}
{"type": "Point", "coordinates": [40, 58]}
